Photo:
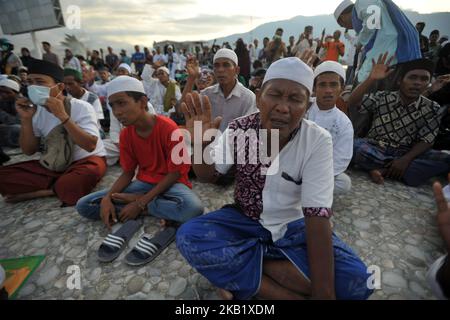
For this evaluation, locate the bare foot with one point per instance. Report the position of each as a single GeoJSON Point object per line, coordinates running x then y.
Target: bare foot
{"type": "Point", "coordinates": [163, 224]}
{"type": "Point", "coordinates": [376, 176]}
{"type": "Point", "coordinates": [443, 216]}
{"type": "Point", "coordinates": [125, 198]}
{"type": "Point", "coordinates": [224, 294]}
{"type": "Point", "coordinates": [16, 198]}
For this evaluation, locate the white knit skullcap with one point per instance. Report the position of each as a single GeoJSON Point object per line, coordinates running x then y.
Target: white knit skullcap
{"type": "Point", "coordinates": [123, 84]}
{"type": "Point", "coordinates": [125, 66]}
{"type": "Point", "coordinates": [226, 54]}
{"type": "Point", "coordinates": [341, 8]}
{"type": "Point", "coordinates": [11, 84]}
{"type": "Point", "coordinates": [293, 69]}
{"type": "Point", "coordinates": [165, 69]}
{"type": "Point", "coordinates": [330, 66]}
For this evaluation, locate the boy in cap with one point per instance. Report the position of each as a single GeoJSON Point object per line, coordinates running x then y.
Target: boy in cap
{"type": "Point", "coordinates": [390, 31]}
{"type": "Point", "coordinates": [404, 126]}
{"type": "Point", "coordinates": [161, 188]}
{"type": "Point", "coordinates": [275, 241]}
{"type": "Point", "coordinates": [329, 82]}
{"type": "Point", "coordinates": [40, 114]}
{"type": "Point", "coordinates": [112, 146]}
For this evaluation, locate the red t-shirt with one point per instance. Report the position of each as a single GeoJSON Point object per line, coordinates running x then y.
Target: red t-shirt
{"type": "Point", "coordinates": [334, 50]}
{"type": "Point", "coordinates": [153, 154]}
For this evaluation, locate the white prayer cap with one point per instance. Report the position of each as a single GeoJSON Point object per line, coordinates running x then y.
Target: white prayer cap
{"type": "Point", "coordinates": [341, 8]}
{"type": "Point", "coordinates": [227, 54]}
{"type": "Point", "coordinates": [165, 69]}
{"type": "Point", "coordinates": [293, 69]}
{"type": "Point", "coordinates": [11, 84]}
{"type": "Point", "coordinates": [123, 84]}
{"type": "Point", "coordinates": [330, 66]}
{"type": "Point", "coordinates": [169, 47]}
{"type": "Point", "coordinates": [125, 66]}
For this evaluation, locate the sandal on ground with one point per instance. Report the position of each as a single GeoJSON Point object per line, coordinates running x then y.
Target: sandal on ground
{"type": "Point", "coordinates": [115, 243]}
{"type": "Point", "coordinates": [147, 249]}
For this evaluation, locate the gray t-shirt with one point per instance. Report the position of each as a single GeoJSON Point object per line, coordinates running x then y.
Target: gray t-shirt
{"type": "Point", "coordinates": [239, 103]}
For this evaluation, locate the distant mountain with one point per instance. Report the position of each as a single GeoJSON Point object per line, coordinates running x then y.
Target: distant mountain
{"type": "Point", "coordinates": [296, 25]}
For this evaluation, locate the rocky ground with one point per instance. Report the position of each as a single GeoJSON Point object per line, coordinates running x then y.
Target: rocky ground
{"type": "Point", "coordinates": [392, 227]}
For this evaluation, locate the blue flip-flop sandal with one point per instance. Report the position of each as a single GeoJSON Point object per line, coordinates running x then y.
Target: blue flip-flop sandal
{"type": "Point", "coordinates": [115, 243]}
{"type": "Point", "coordinates": [148, 248]}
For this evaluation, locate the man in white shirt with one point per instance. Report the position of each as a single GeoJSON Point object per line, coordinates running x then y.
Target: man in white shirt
{"type": "Point", "coordinates": [182, 60]}
{"type": "Point", "coordinates": [329, 81]}
{"type": "Point", "coordinates": [73, 80]}
{"type": "Point", "coordinates": [159, 57]}
{"type": "Point", "coordinates": [305, 41]}
{"type": "Point", "coordinates": [162, 92]}
{"type": "Point", "coordinates": [39, 115]}
{"type": "Point", "coordinates": [99, 88]}
{"type": "Point", "coordinates": [172, 61]}
{"type": "Point", "coordinates": [72, 62]}
{"type": "Point", "coordinates": [349, 58]}
{"type": "Point", "coordinates": [276, 240]}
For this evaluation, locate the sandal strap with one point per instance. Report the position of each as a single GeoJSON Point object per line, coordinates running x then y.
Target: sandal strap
{"type": "Point", "coordinates": [147, 247]}
{"type": "Point", "coordinates": [114, 241]}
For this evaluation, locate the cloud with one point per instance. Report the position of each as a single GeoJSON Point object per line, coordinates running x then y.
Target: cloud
{"type": "Point", "coordinates": [123, 23]}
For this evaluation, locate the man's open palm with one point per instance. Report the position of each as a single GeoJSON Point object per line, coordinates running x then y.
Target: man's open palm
{"type": "Point", "coordinates": [381, 69]}
{"type": "Point", "coordinates": [198, 109]}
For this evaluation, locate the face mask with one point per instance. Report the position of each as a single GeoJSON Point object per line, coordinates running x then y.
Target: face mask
{"type": "Point", "coordinates": [39, 94]}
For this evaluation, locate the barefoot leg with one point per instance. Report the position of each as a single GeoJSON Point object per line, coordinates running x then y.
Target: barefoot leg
{"type": "Point", "coordinates": [15, 198]}
{"type": "Point", "coordinates": [224, 294]}
{"type": "Point", "coordinates": [377, 176]}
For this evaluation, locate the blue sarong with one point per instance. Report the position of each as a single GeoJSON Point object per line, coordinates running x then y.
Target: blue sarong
{"type": "Point", "coordinates": [228, 248]}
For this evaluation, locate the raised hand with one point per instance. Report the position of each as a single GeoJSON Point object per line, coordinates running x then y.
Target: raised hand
{"type": "Point", "coordinates": [56, 107]}
{"type": "Point", "coordinates": [158, 64]}
{"type": "Point", "coordinates": [308, 56]}
{"type": "Point", "coordinates": [192, 68]}
{"type": "Point", "coordinates": [440, 82]}
{"type": "Point", "coordinates": [25, 108]}
{"type": "Point", "coordinates": [381, 69]}
{"type": "Point", "coordinates": [198, 109]}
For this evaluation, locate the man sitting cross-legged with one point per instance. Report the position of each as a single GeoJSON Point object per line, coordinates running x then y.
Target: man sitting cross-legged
{"type": "Point", "coordinates": [275, 241]}
{"type": "Point", "coordinates": [161, 188]}
{"type": "Point", "coordinates": [404, 126]}
{"type": "Point", "coordinates": [45, 111]}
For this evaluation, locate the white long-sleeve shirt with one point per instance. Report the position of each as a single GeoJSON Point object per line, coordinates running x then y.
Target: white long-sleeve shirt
{"type": "Point", "coordinates": [155, 90]}
{"type": "Point", "coordinates": [341, 129]}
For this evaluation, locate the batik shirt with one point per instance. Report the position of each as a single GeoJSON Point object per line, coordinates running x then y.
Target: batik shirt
{"type": "Point", "coordinates": [397, 125]}
{"type": "Point", "coordinates": [298, 182]}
